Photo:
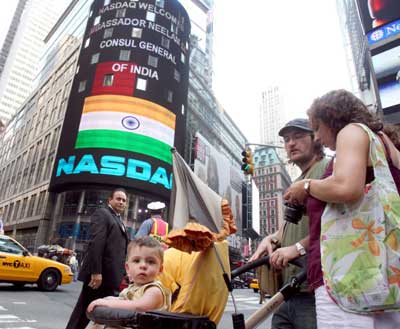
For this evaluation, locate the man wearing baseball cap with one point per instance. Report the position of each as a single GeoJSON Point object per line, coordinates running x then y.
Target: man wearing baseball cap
{"type": "Point", "coordinates": [293, 239]}
{"type": "Point", "coordinates": [154, 226]}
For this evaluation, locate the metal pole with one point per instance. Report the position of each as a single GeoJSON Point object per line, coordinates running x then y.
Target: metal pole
{"type": "Point", "coordinates": [78, 219]}
{"type": "Point", "coordinates": [265, 145]}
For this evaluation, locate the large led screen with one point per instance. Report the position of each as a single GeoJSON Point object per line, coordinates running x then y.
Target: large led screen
{"type": "Point", "coordinates": [127, 107]}
{"type": "Point", "coordinates": [375, 13]}
{"type": "Point", "coordinates": [386, 63]}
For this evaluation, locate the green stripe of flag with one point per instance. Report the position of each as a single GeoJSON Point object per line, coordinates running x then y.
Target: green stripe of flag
{"type": "Point", "coordinates": [126, 141]}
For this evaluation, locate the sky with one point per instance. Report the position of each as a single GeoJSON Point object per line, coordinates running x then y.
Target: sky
{"type": "Point", "coordinates": [296, 45]}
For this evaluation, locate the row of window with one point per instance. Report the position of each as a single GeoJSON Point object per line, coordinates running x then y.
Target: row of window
{"type": "Point", "coordinates": [24, 208]}
{"type": "Point", "coordinates": [50, 110]}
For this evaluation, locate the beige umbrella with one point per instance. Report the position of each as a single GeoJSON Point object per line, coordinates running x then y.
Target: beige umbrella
{"type": "Point", "coordinates": [198, 215]}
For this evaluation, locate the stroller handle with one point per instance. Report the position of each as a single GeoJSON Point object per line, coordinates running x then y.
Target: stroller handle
{"type": "Point", "coordinates": [300, 262]}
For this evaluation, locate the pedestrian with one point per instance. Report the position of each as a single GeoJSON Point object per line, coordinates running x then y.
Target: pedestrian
{"type": "Point", "coordinates": [305, 152]}
{"type": "Point", "coordinates": [344, 124]}
{"type": "Point", "coordinates": [73, 263]}
{"type": "Point", "coordinates": [143, 264]}
{"type": "Point", "coordinates": [103, 264]}
{"type": "Point", "coordinates": [154, 226]}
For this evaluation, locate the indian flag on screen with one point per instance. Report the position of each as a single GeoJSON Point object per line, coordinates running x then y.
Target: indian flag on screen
{"type": "Point", "coordinates": [127, 123]}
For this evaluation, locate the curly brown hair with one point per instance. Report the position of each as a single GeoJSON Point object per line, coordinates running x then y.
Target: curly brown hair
{"type": "Point", "coordinates": [338, 108]}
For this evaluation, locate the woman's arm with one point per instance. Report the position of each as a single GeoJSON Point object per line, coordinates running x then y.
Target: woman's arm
{"type": "Point", "coordinates": [152, 299]}
{"type": "Point", "coordinates": [346, 185]}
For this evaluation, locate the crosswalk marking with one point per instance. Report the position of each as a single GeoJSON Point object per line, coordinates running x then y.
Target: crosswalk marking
{"type": "Point", "coordinates": [19, 303]}
{"type": "Point", "coordinates": [243, 303]}
{"type": "Point", "coordinates": [11, 319]}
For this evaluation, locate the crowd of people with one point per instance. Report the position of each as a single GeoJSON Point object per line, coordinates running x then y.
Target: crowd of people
{"type": "Point", "coordinates": [331, 190]}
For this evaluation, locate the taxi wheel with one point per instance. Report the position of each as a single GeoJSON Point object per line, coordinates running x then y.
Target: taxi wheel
{"type": "Point", "coordinates": [255, 290]}
{"type": "Point", "coordinates": [48, 281]}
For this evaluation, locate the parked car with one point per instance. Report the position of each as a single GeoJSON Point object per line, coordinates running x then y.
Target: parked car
{"type": "Point", "coordinates": [18, 266]}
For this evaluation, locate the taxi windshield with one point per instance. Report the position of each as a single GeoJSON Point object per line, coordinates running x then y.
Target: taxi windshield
{"type": "Point", "coordinates": [9, 246]}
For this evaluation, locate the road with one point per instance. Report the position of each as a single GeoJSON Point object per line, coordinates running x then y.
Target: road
{"type": "Point", "coordinates": [29, 308]}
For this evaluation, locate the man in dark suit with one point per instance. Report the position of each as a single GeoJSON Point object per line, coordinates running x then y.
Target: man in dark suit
{"type": "Point", "coordinates": [104, 263]}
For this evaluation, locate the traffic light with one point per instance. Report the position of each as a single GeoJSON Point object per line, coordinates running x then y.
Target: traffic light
{"type": "Point", "coordinates": [248, 165]}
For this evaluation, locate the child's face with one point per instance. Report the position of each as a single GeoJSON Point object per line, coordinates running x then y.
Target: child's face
{"type": "Point", "coordinates": [143, 265]}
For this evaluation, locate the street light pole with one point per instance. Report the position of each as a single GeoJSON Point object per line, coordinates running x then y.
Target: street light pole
{"type": "Point", "coordinates": [264, 145]}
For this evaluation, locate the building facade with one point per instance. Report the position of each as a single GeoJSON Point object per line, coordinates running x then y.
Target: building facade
{"type": "Point", "coordinates": [357, 52]}
{"type": "Point", "coordinates": [24, 43]}
{"type": "Point", "coordinates": [272, 181]}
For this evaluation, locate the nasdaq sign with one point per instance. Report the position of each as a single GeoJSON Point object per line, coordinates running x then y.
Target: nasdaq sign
{"type": "Point", "coordinates": [384, 32]}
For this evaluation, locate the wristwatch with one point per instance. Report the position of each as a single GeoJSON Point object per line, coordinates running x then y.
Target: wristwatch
{"type": "Point", "coordinates": [300, 249]}
{"type": "Point", "coordinates": [307, 186]}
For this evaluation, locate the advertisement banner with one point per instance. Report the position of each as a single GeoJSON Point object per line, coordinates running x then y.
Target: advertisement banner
{"type": "Point", "coordinates": [127, 106]}
{"type": "Point", "coordinates": [375, 13]}
{"type": "Point", "coordinates": [220, 175]}
{"type": "Point", "coordinates": [386, 65]}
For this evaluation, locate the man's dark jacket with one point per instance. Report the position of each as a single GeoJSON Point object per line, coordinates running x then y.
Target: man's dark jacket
{"type": "Point", "coordinates": [107, 248]}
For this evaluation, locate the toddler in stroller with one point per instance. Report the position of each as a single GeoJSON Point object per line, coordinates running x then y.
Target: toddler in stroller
{"type": "Point", "coordinates": [198, 288]}
{"type": "Point", "coordinates": [143, 263]}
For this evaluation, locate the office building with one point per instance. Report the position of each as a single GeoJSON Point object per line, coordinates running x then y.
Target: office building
{"type": "Point", "coordinates": [272, 115]}
{"type": "Point", "coordinates": [23, 45]}
{"type": "Point", "coordinates": [12, 30]}
{"type": "Point", "coordinates": [272, 180]}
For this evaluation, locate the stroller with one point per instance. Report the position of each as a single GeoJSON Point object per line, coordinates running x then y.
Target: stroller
{"type": "Point", "coordinates": [174, 320]}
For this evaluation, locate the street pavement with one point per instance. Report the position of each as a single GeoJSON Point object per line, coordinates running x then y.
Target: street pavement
{"type": "Point", "coordinates": [30, 308]}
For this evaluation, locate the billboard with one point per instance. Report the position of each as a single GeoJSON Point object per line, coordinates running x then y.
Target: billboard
{"type": "Point", "coordinates": [127, 106]}
{"type": "Point", "coordinates": [220, 175]}
{"type": "Point", "coordinates": [375, 13]}
{"type": "Point", "coordinates": [386, 65]}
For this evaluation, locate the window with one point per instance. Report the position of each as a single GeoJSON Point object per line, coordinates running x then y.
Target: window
{"type": "Point", "coordinates": [183, 58]}
{"type": "Point", "coordinates": [164, 42]}
{"type": "Point", "coordinates": [169, 96]}
{"type": "Point", "coordinates": [31, 206]}
{"type": "Point", "coordinates": [9, 246]}
{"type": "Point", "coordinates": [107, 2]}
{"type": "Point", "coordinates": [177, 77]}
{"type": "Point", "coordinates": [151, 16]}
{"type": "Point", "coordinates": [87, 42]}
{"type": "Point", "coordinates": [108, 33]}
{"type": "Point", "coordinates": [160, 3]}
{"type": "Point", "coordinates": [124, 55]}
{"type": "Point", "coordinates": [108, 80]}
{"type": "Point", "coordinates": [183, 110]}
{"type": "Point", "coordinates": [137, 32]}
{"type": "Point", "coordinates": [95, 58]}
{"type": "Point", "coordinates": [82, 86]}
{"type": "Point", "coordinates": [141, 84]}
{"type": "Point", "coordinates": [120, 13]}
{"type": "Point", "coordinates": [152, 61]}
{"type": "Point", "coordinates": [97, 20]}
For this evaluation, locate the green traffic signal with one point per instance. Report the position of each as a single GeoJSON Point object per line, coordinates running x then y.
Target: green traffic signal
{"type": "Point", "coordinates": [248, 166]}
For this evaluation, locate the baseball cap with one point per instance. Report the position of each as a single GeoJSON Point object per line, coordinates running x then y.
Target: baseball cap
{"type": "Point", "coordinates": [299, 123]}
{"type": "Point", "coordinates": [156, 205]}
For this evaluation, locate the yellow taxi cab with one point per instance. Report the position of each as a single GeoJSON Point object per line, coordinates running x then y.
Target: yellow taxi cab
{"type": "Point", "coordinates": [254, 285]}
{"type": "Point", "coordinates": [19, 267]}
